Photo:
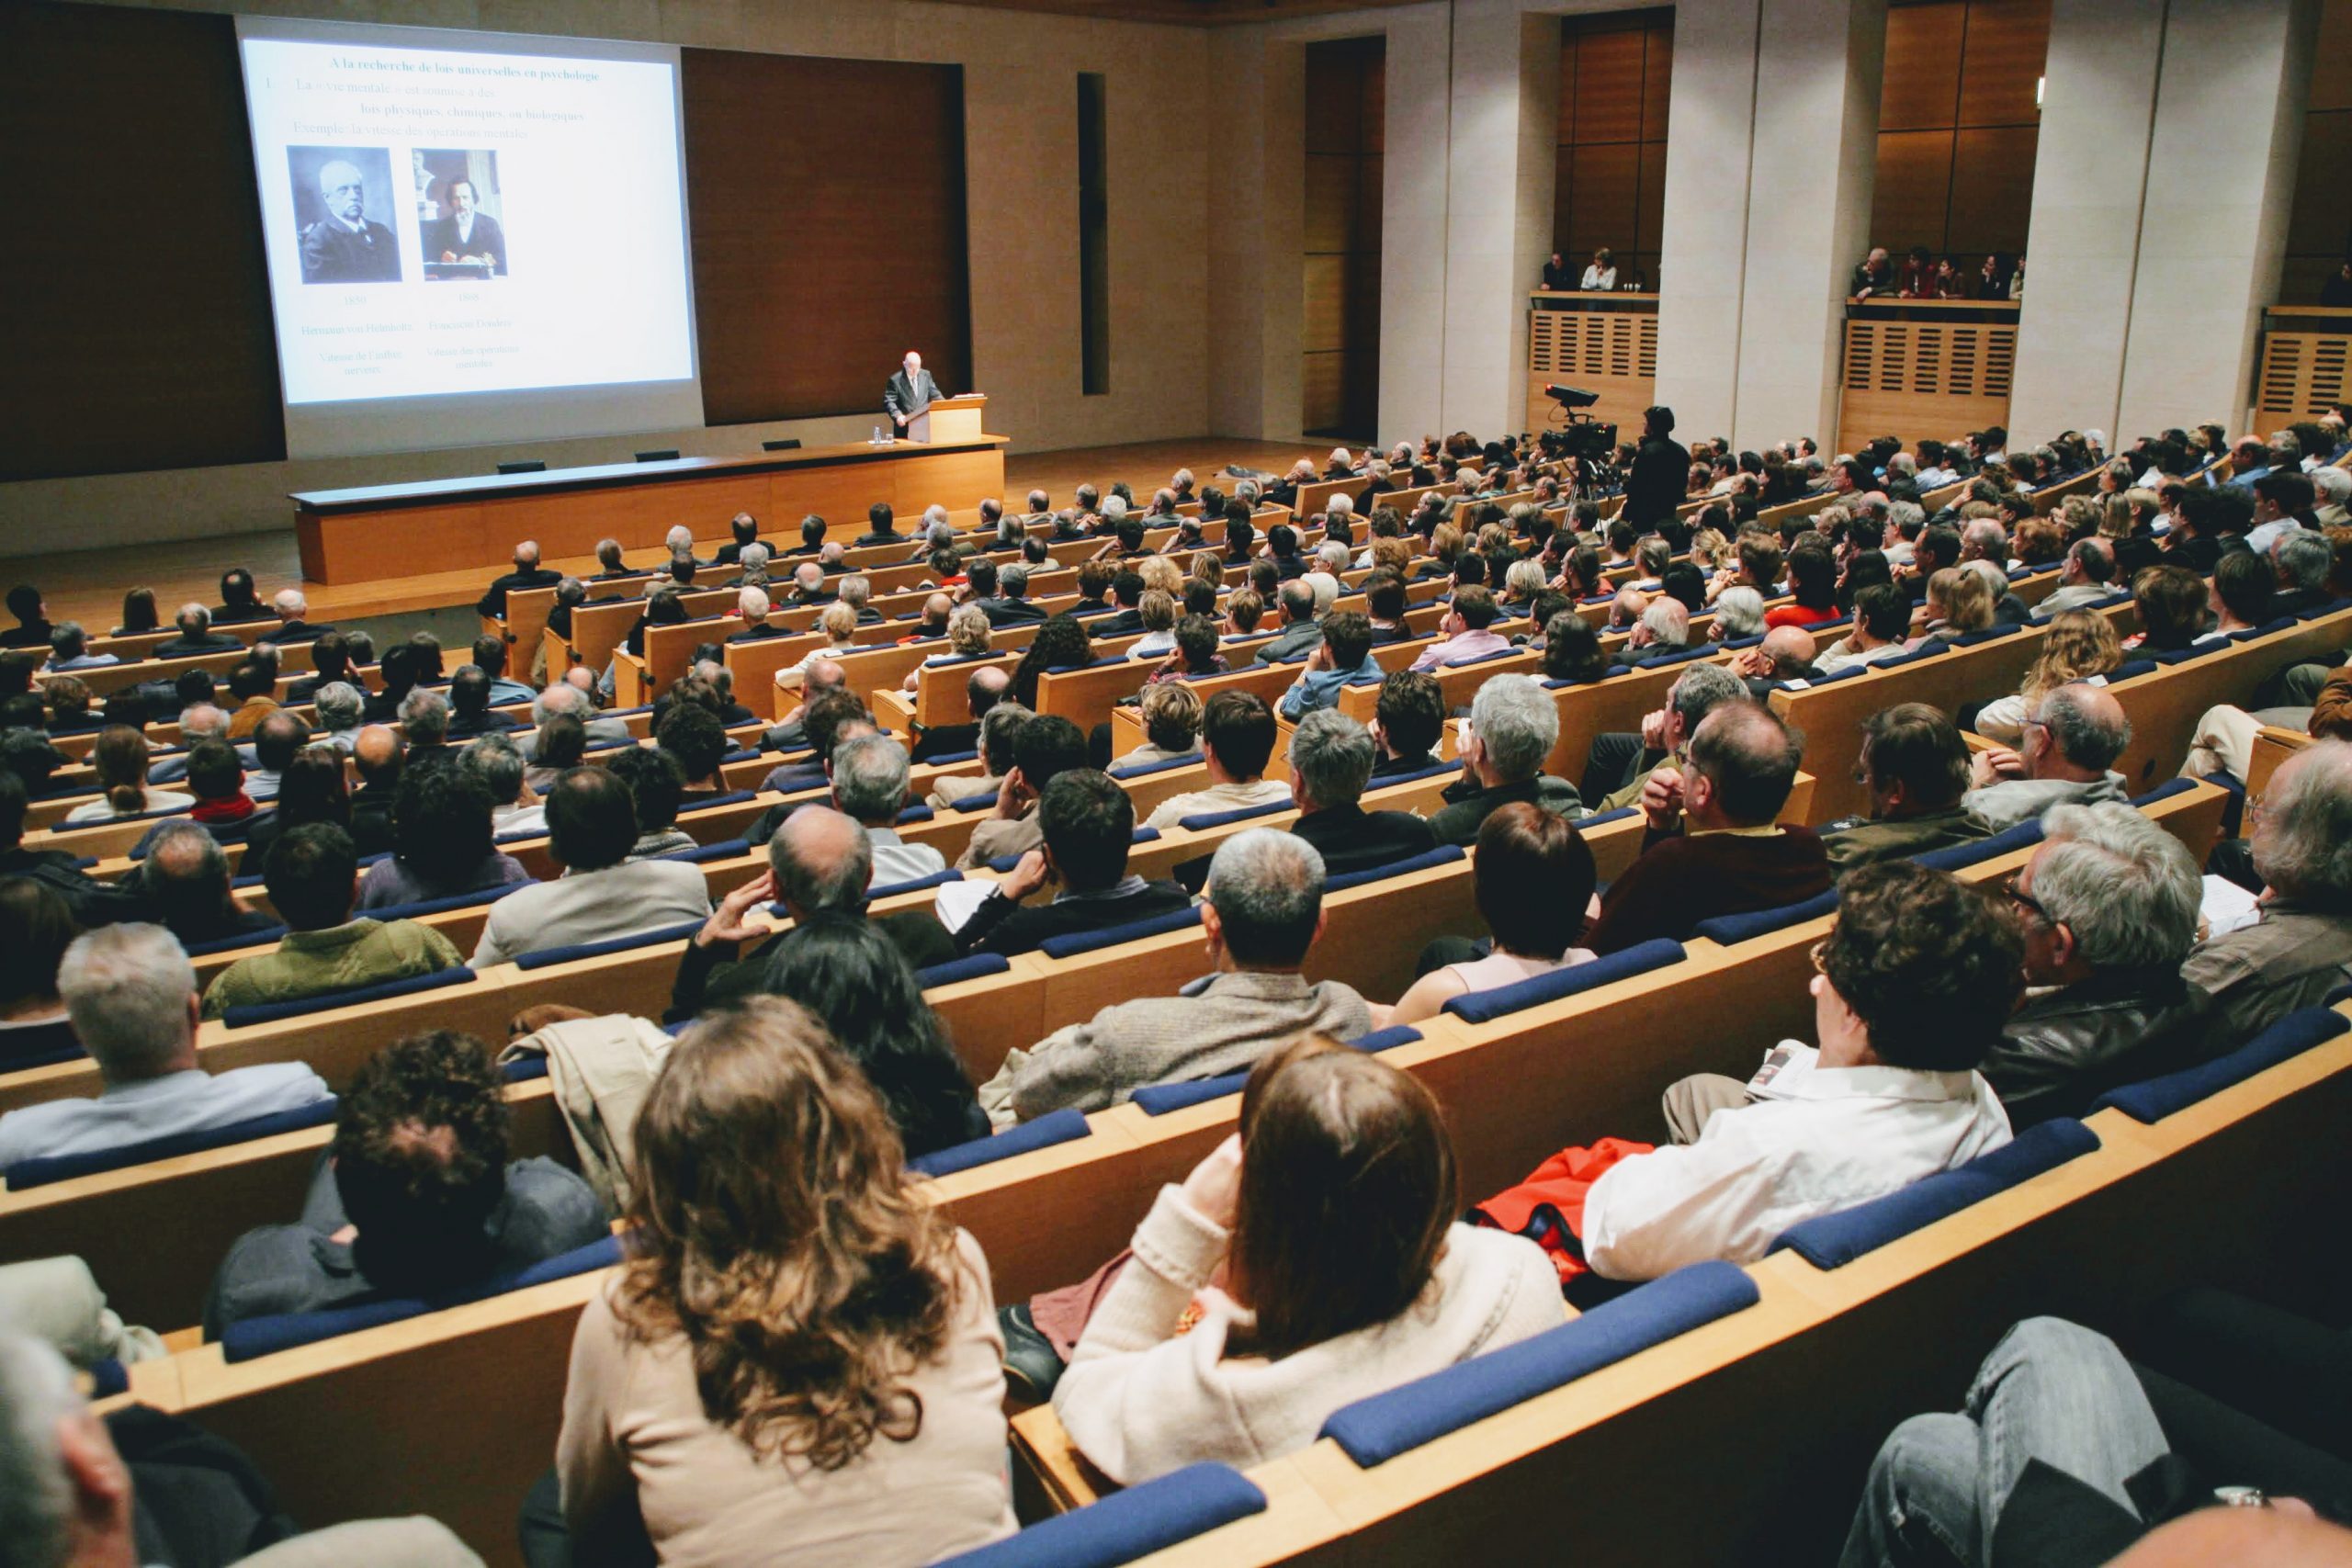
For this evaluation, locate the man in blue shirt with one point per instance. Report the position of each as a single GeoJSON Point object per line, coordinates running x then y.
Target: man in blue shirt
{"type": "Point", "coordinates": [1344, 656]}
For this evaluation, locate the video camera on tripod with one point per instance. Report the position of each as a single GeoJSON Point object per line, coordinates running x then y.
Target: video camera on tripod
{"type": "Point", "coordinates": [1585, 436]}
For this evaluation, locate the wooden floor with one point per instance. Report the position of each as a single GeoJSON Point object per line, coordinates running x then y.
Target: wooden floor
{"type": "Point", "coordinates": [87, 585]}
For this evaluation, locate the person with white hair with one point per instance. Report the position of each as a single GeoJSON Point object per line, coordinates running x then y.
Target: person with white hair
{"type": "Point", "coordinates": [2334, 486]}
{"type": "Point", "coordinates": [1262, 915]}
{"type": "Point", "coordinates": [869, 780]}
{"type": "Point", "coordinates": [1739, 612]}
{"type": "Point", "coordinates": [752, 606]}
{"type": "Point", "coordinates": [751, 566]}
{"type": "Point", "coordinates": [1342, 464]}
{"type": "Point", "coordinates": [527, 573]}
{"type": "Point", "coordinates": [1514, 725]}
{"type": "Point", "coordinates": [291, 607]}
{"type": "Point", "coordinates": [838, 623]}
{"type": "Point", "coordinates": [1665, 626]}
{"type": "Point", "coordinates": [130, 994]}
{"type": "Point", "coordinates": [2300, 949]}
{"type": "Point", "coordinates": [2109, 908]}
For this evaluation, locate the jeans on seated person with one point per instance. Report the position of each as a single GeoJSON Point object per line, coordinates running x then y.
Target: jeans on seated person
{"type": "Point", "coordinates": [2050, 1390]}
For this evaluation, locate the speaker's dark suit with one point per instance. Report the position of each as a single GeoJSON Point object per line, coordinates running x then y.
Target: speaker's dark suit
{"type": "Point", "coordinates": [901, 397]}
{"type": "Point", "coordinates": [332, 254]}
{"type": "Point", "coordinates": [489, 239]}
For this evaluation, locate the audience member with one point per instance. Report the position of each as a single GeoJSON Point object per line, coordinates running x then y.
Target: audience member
{"type": "Point", "coordinates": [1331, 1217]}
{"type": "Point", "coordinates": [310, 879]}
{"type": "Point", "coordinates": [998, 731]}
{"type": "Point", "coordinates": [184, 885]}
{"type": "Point", "coordinates": [1087, 824]}
{"type": "Point", "coordinates": [1330, 762]}
{"type": "Point", "coordinates": [1408, 721]}
{"type": "Point", "coordinates": [527, 573]}
{"type": "Point", "coordinates": [1512, 727]}
{"type": "Point", "coordinates": [416, 1197]}
{"type": "Point", "coordinates": [1716, 844]}
{"type": "Point", "coordinates": [869, 778]}
{"type": "Point", "coordinates": [196, 636]}
{"type": "Point", "coordinates": [378, 756]}
{"type": "Point", "coordinates": [2069, 743]}
{"type": "Point", "coordinates": [1915, 767]}
{"type": "Point", "coordinates": [592, 826]}
{"type": "Point", "coordinates": [1300, 631]}
{"type": "Point", "coordinates": [1263, 913]}
{"type": "Point", "coordinates": [1914, 980]}
{"type": "Point", "coordinates": [1237, 741]}
{"type": "Point", "coordinates": [129, 992]}
{"type": "Point", "coordinates": [311, 788]}
{"type": "Point", "coordinates": [1171, 712]}
{"type": "Point", "coordinates": [656, 784]}
{"type": "Point", "coordinates": [442, 843]}
{"type": "Point", "coordinates": [120, 759]}
{"type": "Point", "coordinates": [2108, 906]}
{"type": "Point", "coordinates": [1343, 656]}
{"type": "Point", "coordinates": [36, 928]}
{"type": "Point", "coordinates": [762, 1155]}
{"type": "Point", "coordinates": [1044, 746]}
{"type": "Point", "coordinates": [1535, 878]}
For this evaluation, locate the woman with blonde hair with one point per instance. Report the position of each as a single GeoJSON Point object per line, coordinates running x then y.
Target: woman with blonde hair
{"type": "Point", "coordinates": [1171, 725]}
{"type": "Point", "coordinates": [119, 756]}
{"type": "Point", "coordinates": [838, 622]}
{"type": "Point", "coordinates": [968, 637]}
{"type": "Point", "coordinates": [1959, 602]}
{"type": "Point", "coordinates": [1162, 575]}
{"type": "Point", "coordinates": [1710, 549]}
{"type": "Point", "coordinates": [2079, 644]}
{"type": "Point", "coordinates": [1157, 608]}
{"type": "Point", "coordinates": [800, 1353]}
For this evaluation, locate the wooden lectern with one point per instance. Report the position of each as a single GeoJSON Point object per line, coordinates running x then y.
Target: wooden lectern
{"type": "Point", "coordinates": [949, 419]}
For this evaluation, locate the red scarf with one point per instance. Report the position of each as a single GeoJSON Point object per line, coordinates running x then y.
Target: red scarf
{"type": "Point", "coordinates": [235, 808]}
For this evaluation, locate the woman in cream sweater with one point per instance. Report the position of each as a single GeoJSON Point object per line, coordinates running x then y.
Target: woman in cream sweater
{"type": "Point", "coordinates": [1319, 1249]}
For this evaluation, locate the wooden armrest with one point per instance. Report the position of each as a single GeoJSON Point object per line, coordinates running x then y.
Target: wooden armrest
{"type": "Point", "coordinates": [1049, 1475]}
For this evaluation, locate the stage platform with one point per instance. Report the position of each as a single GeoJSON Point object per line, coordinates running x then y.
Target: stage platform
{"type": "Point", "coordinates": [88, 585]}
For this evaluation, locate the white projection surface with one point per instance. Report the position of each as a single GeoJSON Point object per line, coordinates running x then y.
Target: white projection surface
{"type": "Point", "coordinates": [472, 237]}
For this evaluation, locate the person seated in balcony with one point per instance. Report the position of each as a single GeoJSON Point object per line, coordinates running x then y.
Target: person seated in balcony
{"type": "Point", "coordinates": [1312, 1259]}
{"type": "Point", "coordinates": [416, 1197]}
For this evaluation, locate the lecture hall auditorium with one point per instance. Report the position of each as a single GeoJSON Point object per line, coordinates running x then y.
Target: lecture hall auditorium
{"type": "Point", "coordinates": [1342, 783]}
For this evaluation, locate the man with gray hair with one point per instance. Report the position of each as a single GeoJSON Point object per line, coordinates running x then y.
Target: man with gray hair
{"type": "Point", "coordinates": [291, 607]}
{"type": "Point", "coordinates": [1010, 604]}
{"type": "Point", "coordinates": [1665, 627]}
{"type": "Point", "coordinates": [197, 635]}
{"type": "Point", "coordinates": [751, 566]}
{"type": "Point", "coordinates": [2332, 487]}
{"type": "Point", "coordinates": [2088, 577]}
{"type": "Point", "coordinates": [1300, 633]}
{"type": "Point", "coordinates": [1263, 914]}
{"type": "Point", "coordinates": [130, 993]}
{"type": "Point", "coordinates": [1512, 727]}
{"type": "Point", "coordinates": [870, 787]}
{"type": "Point", "coordinates": [2300, 949]}
{"type": "Point", "coordinates": [2071, 741]}
{"type": "Point", "coordinates": [752, 604]}
{"type": "Point", "coordinates": [2109, 908]}
{"type": "Point", "coordinates": [183, 884]}
{"type": "Point", "coordinates": [341, 709]}
{"type": "Point", "coordinates": [425, 719]}
{"type": "Point", "coordinates": [1739, 612]}
{"type": "Point", "coordinates": [857, 591]}
{"type": "Point", "coordinates": [514, 807]}
{"type": "Point", "coordinates": [820, 865]}
{"type": "Point", "coordinates": [1331, 757]}
{"type": "Point", "coordinates": [68, 1499]}
{"type": "Point", "coordinates": [2303, 559]}
{"type": "Point", "coordinates": [1620, 762]}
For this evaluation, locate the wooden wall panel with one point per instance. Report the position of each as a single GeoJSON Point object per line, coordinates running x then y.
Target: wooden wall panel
{"type": "Point", "coordinates": [1991, 185]}
{"type": "Point", "coordinates": [1609, 175]}
{"type": "Point", "coordinates": [1602, 210]}
{"type": "Point", "coordinates": [1912, 197]}
{"type": "Point", "coordinates": [1322, 326]}
{"type": "Point", "coordinates": [1321, 388]}
{"type": "Point", "coordinates": [1328, 216]}
{"type": "Point", "coordinates": [1369, 171]}
{"type": "Point", "coordinates": [1958, 126]}
{"type": "Point", "coordinates": [2008, 42]}
{"type": "Point", "coordinates": [1609, 87]}
{"type": "Point", "coordinates": [1334, 112]}
{"type": "Point", "coordinates": [2319, 236]}
{"type": "Point", "coordinates": [1923, 50]}
{"type": "Point", "coordinates": [135, 329]}
{"type": "Point", "coordinates": [822, 253]}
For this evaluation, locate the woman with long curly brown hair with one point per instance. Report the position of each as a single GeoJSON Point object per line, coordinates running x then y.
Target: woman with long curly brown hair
{"type": "Point", "coordinates": [800, 1360]}
{"type": "Point", "coordinates": [2079, 644]}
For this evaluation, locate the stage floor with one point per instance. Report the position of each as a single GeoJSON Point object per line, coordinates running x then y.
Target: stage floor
{"type": "Point", "coordinates": [88, 585]}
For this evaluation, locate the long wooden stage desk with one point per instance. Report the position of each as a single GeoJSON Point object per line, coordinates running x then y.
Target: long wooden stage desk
{"type": "Point", "coordinates": [353, 535]}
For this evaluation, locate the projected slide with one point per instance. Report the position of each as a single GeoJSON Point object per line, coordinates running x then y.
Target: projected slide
{"type": "Point", "coordinates": [461, 219]}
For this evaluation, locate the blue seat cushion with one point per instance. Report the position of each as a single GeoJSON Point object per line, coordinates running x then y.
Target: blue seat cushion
{"type": "Point", "coordinates": [1372, 1431]}
{"type": "Point", "coordinates": [1055, 1127]}
{"type": "Point", "coordinates": [1444, 854]}
{"type": "Point", "coordinates": [1970, 639]}
{"type": "Point", "coordinates": [1476, 658]}
{"type": "Point", "coordinates": [1925, 650]}
{"type": "Point", "coordinates": [733, 797]}
{"type": "Point", "coordinates": [1075, 942]}
{"type": "Point", "coordinates": [973, 967]}
{"type": "Point", "coordinates": [1501, 1001]}
{"type": "Point", "coordinates": [265, 1336]}
{"type": "Point", "coordinates": [914, 884]}
{"type": "Point", "coordinates": [1128, 1524]}
{"type": "Point", "coordinates": [1832, 1241]}
{"type": "Point", "coordinates": [1704, 650]}
{"type": "Point", "coordinates": [1602, 818]}
{"type": "Point", "coordinates": [523, 1069]}
{"type": "Point", "coordinates": [1725, 929]}
{"type": "Point", "coordinates": [1242, 814]}
{"type": "Point", "coordinates": [2156, 1098]}
{"type": "Point", "coordinates": [726, 849]}
{"type": "Point", "coordinates": [266, 935]}
{"type": "Point", "coordinates": [547, 957]}
{"type": "Point", "coordinates": [270, 1012]}
{"type": "Point", "coordinates": [1429, 772]}
{"type": "Point", "coordinates": [1953, 857]}
{"type": "Point", "coordinates": [2166, 790]}
{"type": "Point", "coordinates": [1159, 1100]}
{"type": "Point", "coordinates": [108, 1378]}
{"type": "Point", "coordinates": [453, 901]}
{"type": "Point", "coordinates": [985, 800]}
{"type": "Point", "coordinates": [947, 759]}
{"type": "Point", "coordinates": [40, 1172]}
{"type": "Point", "coordinates": [1144, 769]}
{"type": "Point", "coordinates": [913, 814]}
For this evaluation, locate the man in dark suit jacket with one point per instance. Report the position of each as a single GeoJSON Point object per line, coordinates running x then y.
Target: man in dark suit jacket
{"type": "Point", "coordinates": [1089, 823]}
{"type": "Point", "coordinates": [527, 573]}
{"type": "Point", "coordinates": [910, 392]}
{"type": "Point", "coordinates": [197, 635]}
{"type": "Point", "coordinates": [465, 234]}
{"type": "Point", "coordinates": [1011, 606]}
{"type": "Point", "coordinates": [1331, 757]}
{"type": "Point", "coordinates": [822, 862]}
{"type": "Point", "coordinates": [347, 246]}
{"type": "Point", "coordinates": [983, 689]}
{"type": "Point", "coordinates": [291, 626]}
{"type": "Point", "coordinates": [881, 524]}
{"type": "Point", "coordinates": [1661, 472]}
